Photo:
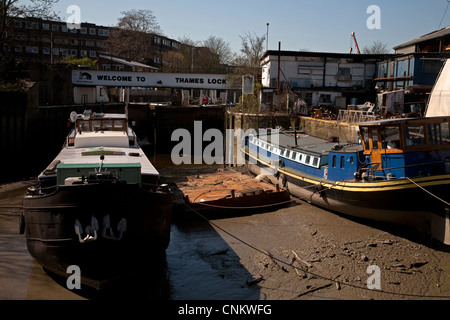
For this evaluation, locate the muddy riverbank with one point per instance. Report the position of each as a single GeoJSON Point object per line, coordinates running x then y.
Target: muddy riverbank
{"type": "Point", "coordinates": [297, 252]}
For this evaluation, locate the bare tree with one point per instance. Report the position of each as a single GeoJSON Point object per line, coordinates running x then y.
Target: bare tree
{"type": "Point", "coordinates": [174, 62]}
{"type": "Point", "coordinates": [132, 37]}
{"type": "Point", "coordinates": [10, 9]}
{"type": "Point", "coordinates": [252, 51]}
{"type": "Point", "coordinates": [208, 56]}
{"type": "Point", "coordinates": [140, 21]}
{"type": "Point", "coordinates": [219, 47]}
{"type": "Point", "coordinates": [378, 47]}
{"type": "Point", "coordinates": [249, 63]}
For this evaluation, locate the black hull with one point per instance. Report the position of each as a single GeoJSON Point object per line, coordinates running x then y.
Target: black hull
{"type": "Point", "coordinates": [398, 202]}
{"type": "Point", "coordinates": [51, 238]}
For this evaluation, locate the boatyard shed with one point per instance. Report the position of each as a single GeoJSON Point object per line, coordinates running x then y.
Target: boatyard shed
{"type": "Point", "coordinates": [320, 78]}
{"type": "Point", "coordinates": [405, 80]}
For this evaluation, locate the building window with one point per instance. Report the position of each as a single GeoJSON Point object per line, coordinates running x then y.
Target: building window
{"type": "Point", "coordinates": [18, 49]}
{"type": "Point", "coordinates": [92, 54]}
{"type": "Point", "coordinates": [83, 53]}
{"type": "Point", "coordinates": [64, 28]}
{"type": "Point", "coordinates": [65, 52]}
{"type": "Point", "coordinates": [431, 66]}
{"type": "Point", "coordinates": [325, 98]}
{"type": "Point", "coordinates": [32, 49]}
{"type": "Point", "coordinates": [55, 27]}
{"type": "Point", "coordinates": [344, 74]}
{"type": "Point", "coordinates": [83, 31]}
{"type": "Point", "coordinates": [18, 24]}
{"type": "Point", "coordinates": [303, 71]}
{"type": "Point", "coordinates": [92, 31]}
{"type": "Point", "coordinates": [73, 30]}
{"type": "Point", "coordinates": [73, 52]}
{"type": "Point", "coordinates": [46, 50]}
{"type": "Point", "coordinates": [45, 26]}
{"type": "Point", "coordinates": [106, 67]}
{"type": "Point", "coordinates": [102, 32]}
{"type": "Point", "coordinates": [119, 67]}
{"type": "Point", "coordinates": [56, 51]}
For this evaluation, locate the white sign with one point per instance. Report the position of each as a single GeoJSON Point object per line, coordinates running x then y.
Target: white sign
{"type": "Point", "coordinates": [150, 79]}
{"type": "Point", "coordinates": [248, 84]}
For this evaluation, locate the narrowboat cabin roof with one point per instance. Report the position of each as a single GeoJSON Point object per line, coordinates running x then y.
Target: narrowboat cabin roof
{"type": "Point", "coordinates": [305, 143]}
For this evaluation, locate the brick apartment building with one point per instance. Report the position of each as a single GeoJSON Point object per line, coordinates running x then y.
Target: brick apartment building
{"type": "Point", "coordinates": [45, 41]}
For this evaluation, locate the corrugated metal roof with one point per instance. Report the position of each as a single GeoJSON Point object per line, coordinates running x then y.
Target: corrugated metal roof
{"type": "Point", "coordinates": [429, 36]}
{"type": "Point", "coordinates": [323, 54]}
{"type": "Point", "coordinates": [128, 63]}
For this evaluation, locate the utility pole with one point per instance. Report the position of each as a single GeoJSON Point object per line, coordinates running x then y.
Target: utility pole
{"type": "Point", "coordinates": [279, 62]}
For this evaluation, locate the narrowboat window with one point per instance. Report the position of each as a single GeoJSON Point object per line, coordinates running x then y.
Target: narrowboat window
{"type": "Point", "coordinates": [293, 154]}
{"type": "Point", "coordinates": [308, 159]}
{"type": "Point", "coordinates": [365, 137]}
{"type": "Point", "coordinates": [352, 160]}
{"type": "Point", "coordinates": [334, 161]}
{"type": "Point", "coordinates": [297, 158]}
{"type": "Point", "coordinates": [342, 162]}
{"type": "Point", "coordinates": [85, 126]}
{"type": "Point", "coordinates": [316, 162]}
{"type": "Point", "coordinates": [119, 125]}
{"type": "Point", "coordinates": [108, 125]}
{"type": "Point", "coordinates": [390, 137]}
{"type": "Point", "coordinates": [415, 136]}
{"type": "Point", "coordinates": [96, 125]}
{"type": "Point", "coordinates": [301, 157]}
{"type": "Point", "coordinates": [285, 153]}
{"type": "Point", "coordinates": [375, 139]}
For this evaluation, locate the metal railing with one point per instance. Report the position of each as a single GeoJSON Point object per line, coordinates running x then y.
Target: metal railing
{"type": "Point", "coordinates": [356, 116]}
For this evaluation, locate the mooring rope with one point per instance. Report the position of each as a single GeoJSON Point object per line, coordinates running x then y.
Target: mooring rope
{"type": "Point", "coordinates": [309, 272]}
{"type": "Point", "coordinates": [428, 191]}
{"type": "Point", "coordinates": [242, 208]}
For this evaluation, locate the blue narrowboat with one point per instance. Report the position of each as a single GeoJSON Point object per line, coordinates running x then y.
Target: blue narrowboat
{"type": "Point", "coordinates": [398, 173]}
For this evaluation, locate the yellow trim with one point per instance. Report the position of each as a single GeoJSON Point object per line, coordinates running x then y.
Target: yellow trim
{"type": "Point", "coordinates": [367, 186]}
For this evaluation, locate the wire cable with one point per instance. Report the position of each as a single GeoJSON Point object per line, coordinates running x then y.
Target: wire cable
{"type": "Point", "coordinates": [412, 295]}
{"type": "Point", "coordinates": [445, 12]}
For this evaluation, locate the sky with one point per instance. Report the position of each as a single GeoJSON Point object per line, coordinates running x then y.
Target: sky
{"type": "Point", "coordinates": [314, 25]}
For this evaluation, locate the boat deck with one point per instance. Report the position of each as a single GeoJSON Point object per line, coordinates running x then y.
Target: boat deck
{"type": "Point", "coordinates": [73, 155]}
{"type": "Point", "coordinates": [216, 189]}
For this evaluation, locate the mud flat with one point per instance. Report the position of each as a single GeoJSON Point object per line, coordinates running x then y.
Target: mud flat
{"type": "Point", "coordinates": [296, 252]}
{"type": "Point", "coordinates": [303, 252]}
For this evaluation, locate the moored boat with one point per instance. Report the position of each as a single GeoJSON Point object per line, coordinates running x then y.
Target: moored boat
{"type": "Point", "coordinates": [400, 173]}
{"type": "Point", "coordinates": [99, 205]}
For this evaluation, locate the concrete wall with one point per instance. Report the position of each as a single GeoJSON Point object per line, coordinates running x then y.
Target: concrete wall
{"type": "Point", "coordinates": [326, 129]}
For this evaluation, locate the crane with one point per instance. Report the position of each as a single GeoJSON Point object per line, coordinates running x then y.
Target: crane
{"type": "Point", "coordinates": [356, 43]}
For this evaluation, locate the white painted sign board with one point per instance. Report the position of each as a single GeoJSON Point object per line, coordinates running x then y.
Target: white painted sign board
{"type": "Point", "coordinates": [150, 79]}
